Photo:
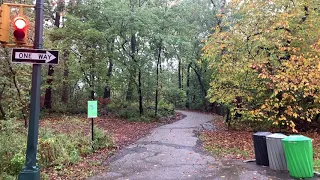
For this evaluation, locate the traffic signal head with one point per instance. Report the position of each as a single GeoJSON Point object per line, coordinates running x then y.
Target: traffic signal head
{"type": "Point", "coordinates": [4, 23]}
{"type": "Point", "coordinates": [20, 30]}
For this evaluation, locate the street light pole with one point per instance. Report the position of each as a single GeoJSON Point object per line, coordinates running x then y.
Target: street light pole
{"type": "Point", "coordinates": [31, 170]}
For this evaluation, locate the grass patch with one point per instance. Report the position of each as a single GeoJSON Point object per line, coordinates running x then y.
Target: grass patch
{"type": "Point", "coordinates": [317, 165]}
{"type": "Point", "coordinates": [65, 147]}
{"type": "Point", "coordinates": [316, 155]}
{"type": "Point", "coordinates": [61, 143]}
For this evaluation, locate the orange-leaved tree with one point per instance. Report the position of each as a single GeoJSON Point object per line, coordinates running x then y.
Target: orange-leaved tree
{"type": "Point", "coordinates": [267, 55]}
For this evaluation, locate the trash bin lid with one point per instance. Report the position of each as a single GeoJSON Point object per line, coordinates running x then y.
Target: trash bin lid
{"type": "Point", "coordinates": [262, 133]}
{"type": "Point", "coordinates": [276, 136]}
{"type": "Point", "coordinates": [296, 138]}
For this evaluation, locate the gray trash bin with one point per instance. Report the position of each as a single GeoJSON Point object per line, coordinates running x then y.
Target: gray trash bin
{"type": "Point", "coordinates": [277, 160]}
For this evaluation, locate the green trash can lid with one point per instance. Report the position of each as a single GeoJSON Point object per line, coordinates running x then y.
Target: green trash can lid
{"type": "Point", "coordinates": [276, 136]}
{"type": "Point", "coordinates": [293, 138]}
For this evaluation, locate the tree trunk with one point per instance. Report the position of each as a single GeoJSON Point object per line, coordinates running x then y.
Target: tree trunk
{"type": "Point", "coordinates": [48, 94]}
{"type": "Point", "coordinates": [188, 87]}
{"type": "Point", "coordinates": [140, 93]}
{"type": "Point", "coordinates": [133, 72]}
{"type": "Point", "coordinates": [179, 73]}
{"type": "Point", "coordinates": [182, 70]}
{"type": "Point", "coordinates": [3, 113]}
{"type": "Point", "coordinates": [107, 88]}
{"type": "Point", "coordinates": [157, 86]}
{"type": "Point", "coordinates": [133, 54]}
{"type": "Point", "coordinates": [23, 110]}
{"type": "Point", "coordinates": [65, 84]}
{"type": "Point", "coordinates": [92, 94]}
{"type": "Point", "coordinates": [203, 90]}
{"type": "Point", "coordinates": [92, 79]}
{"type": "Point", "coordinates": [129, 95]}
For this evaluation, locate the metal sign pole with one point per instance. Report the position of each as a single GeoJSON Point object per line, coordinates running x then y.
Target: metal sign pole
{"type": "Point", "coordinates": [31, 170]}
{"type": "Point", "coordinates": [92, 130]}
{"type": "Point", "coordinates": [92, 113]}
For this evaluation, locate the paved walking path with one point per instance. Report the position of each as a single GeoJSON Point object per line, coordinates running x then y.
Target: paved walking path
{"type": "Point", "coordinates": [172, 152]}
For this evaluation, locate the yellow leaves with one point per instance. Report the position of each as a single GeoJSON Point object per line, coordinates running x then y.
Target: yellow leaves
{"type": "Point", "coordinates": [282, 118]}
{"type": "Point", "coordinates": [250, 98]}
{"type": "Point", "coordinates": [263, 76]}
{"type": "Point", "coordinates": [219, 15]}
{"type": "Point", "coordinates": [293, 125]}
{"type": "Point", "coordinates": [295, 50]}
{"type": "Point", "coordinates": [280, 55]}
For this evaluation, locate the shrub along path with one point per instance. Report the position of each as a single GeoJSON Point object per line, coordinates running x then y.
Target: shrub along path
{"type": "Point", "coordinates": [227, 144]}
{"type": "Point", "coordinates": [173, 152]}
{"type": "Point", "coordinates": [122, 132]}
{"type": "Point", "coordinates": [236, 144]}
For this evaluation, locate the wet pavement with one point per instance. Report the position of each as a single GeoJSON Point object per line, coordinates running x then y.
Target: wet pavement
{"type": "Point", "coordinates": [173, 152]}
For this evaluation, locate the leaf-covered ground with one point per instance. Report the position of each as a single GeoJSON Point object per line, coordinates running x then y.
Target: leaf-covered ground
{"type": "Point", "coordinates": [227, 144]}
{"type": "Point", "coordinates": [235, 144]}
{"type": "Point", "coordinates": [123, 133]}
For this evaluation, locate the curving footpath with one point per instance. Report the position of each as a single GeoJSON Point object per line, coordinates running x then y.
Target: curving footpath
{"type": "Point", "coordinates": [172, 152]}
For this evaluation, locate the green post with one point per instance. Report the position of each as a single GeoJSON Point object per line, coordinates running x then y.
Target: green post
{"type": "Point", "coordinates": [92, 113]}
{"type": "Point", "coordinates": [31, 170]}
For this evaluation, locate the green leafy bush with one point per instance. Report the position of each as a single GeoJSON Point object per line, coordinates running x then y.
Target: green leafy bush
{"type": "Point", "coordinates": [175, 96]}
{"type": "Point", "coordinates": [130, 111]}
{"type": "Point", "coordinates": [17, 162]}
{"type": "Point", "coordinates": [70, 108]}
{"type": "Point", "coordinates": [115, 105]}
{"type": "Point", "coordinates": [101, 139]}
{"type": "Point", "coordinates": [55, 149]}
{"type": "Point", "coordinates": [5, 176]}
{"type": "Point", "coordinates": [125, 110]}
{"type": "Point", "coordinates": [165, 109]}
{"type": "Point", "coordinates": [12, 149]}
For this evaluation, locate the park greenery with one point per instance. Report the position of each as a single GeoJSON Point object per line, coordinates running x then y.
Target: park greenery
{"type": "Point", "coordinates": [265, 58]}
{"type": "Point", "coordinates": [138, 58]}
{"type": "Point", "coordinates": [133, 55]}
{"type": "Point", "coordinates": [251, 60]}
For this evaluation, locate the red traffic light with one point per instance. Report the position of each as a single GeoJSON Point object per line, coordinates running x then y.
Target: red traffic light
{"type": "Point", "coordinates": [20, 29]}
{"type": "Point", "coordinates": [20, 23]}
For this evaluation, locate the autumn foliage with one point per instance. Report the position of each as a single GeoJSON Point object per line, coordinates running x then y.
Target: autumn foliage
{"type": "Point", "coordinates": [266, 53]}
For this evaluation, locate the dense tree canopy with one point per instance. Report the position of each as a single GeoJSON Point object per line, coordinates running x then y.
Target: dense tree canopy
{"type": "Point", "coordinates": [258, 58]}
{"type": "Point", "coordinates": [265, 60]}
{"type": "Point", "coordinates": [143, 54]}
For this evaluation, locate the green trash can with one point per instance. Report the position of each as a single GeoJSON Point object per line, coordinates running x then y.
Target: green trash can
{"type": "Point", "coordinates": [298, 153]}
